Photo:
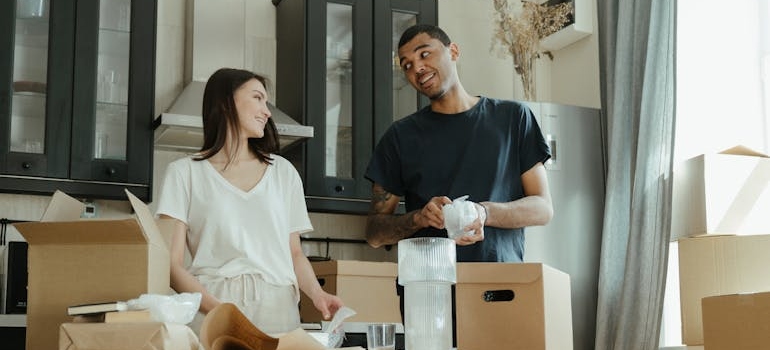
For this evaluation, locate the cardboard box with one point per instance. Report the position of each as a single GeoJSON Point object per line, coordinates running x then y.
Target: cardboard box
{"type": "Point", "coordinates": [74, 261]}
{"type": "Point", "coordinates": [718, 265]}
{"type": "Point", "coordinates": [724, 193]}
{"type": "Point", "coordinates": [519, 305]}
{"type": "Point", "coordinates": [737, 321]}
{"type": "Point", "coordinates": [367, 287]}
{"type": "Point", "coordinates": [127, 336]}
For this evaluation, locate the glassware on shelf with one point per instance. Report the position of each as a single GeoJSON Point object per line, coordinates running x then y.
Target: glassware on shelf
{"type": "Point", "coordinates": [101, 145]}
{"type": "Point", "coordinates": [28, 117]}
{"type": "Point", "coordinates": [110, 136]}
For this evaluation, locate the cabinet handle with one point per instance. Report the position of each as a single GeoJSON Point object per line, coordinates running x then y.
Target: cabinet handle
{"type": "Point", "coordinates": [111, 171]}
{"type": "Point", "coordinates": [26, 165]}
{"type": "Point", "coordinates": [339, 188]}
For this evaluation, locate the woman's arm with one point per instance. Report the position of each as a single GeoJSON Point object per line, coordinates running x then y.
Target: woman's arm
{"type": "Point", "coordinates": [181, 279]}
{"type": "Point", "coordinates": [326, 303]}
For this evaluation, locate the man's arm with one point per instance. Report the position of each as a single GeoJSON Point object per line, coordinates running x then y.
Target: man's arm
{"type": "Point", "coordinates": [533, 209]}
{"type": "Point", "coordinates": [383, 227]}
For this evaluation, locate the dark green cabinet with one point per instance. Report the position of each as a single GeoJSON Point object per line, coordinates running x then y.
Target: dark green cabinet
{"type": "Point", "coordinates": [337, 70]}
{"type": "Point", "coordinates": [77, 84]}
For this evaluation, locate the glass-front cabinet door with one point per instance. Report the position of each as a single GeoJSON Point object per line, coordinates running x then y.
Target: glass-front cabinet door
{"type": "Point", "coordinates": [28, 100]}
{"type": "Point", "coordinates": [113, 108]}
{"type": "Point", "coordinates": [36, 78]}
{"type": "Point", "coordinates": [344, 92]}
{"type": "Point", "coordinates": [77, 96]}
{"type": "Point", "coordinates": [338, 148]}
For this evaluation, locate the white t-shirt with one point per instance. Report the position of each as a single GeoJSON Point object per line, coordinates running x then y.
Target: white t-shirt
{"type": "Point", "coordinates": [234, 232]}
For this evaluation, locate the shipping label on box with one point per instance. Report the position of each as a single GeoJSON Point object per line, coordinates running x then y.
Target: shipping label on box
{"type": "Point", "coordinates": [722, 194]}
{"type": "Point", "coordinates": [513, 305]}
{"type": "Point", "coordinates": [718, 265]}
{"type": "Point", "coordinates": [73, 261]}
{"type": "Point", "coordinates": [737, 321]}
{"type": "Point", "coordinates": [367, 287]}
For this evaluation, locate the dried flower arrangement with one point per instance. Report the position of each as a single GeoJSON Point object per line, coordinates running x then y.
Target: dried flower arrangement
{"type": "Point", "coordinates": [519, 36]}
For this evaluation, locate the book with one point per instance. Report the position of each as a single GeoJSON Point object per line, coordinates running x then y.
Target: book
{"type": "Point", "coordinates": [84, 309]}
{"type": "Point", "coordinates": [88, 318]}
{"type": "Point", "coordinates": [114, 316]}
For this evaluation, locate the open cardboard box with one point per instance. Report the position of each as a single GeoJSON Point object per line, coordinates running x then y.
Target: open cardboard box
{"type": "Point", "coordinates": [717, 265]}
{"type": "Point", "coordinates": [73, 261]}
{"type": "Point", "coordinates": [723, 193]}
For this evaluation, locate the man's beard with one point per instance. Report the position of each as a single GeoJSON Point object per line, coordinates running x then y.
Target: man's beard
{"type": "Point", "coordinates": [438, 95]}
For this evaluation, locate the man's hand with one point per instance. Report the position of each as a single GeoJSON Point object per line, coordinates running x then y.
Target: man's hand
{"type": "Point", "coordinates": [477, 226]}
{"type": "Point", "coordinates": [431, 214]}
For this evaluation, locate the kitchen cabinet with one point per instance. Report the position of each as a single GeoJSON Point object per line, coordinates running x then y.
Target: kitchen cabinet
{"type": "Point", "coordinates": [77, 97]}
{"type": "Point", "coordinates": [337, 69]}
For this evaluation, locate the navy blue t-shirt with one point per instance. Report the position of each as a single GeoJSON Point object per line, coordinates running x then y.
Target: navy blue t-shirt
{"type": "Point", "coordinates": [481, 152]}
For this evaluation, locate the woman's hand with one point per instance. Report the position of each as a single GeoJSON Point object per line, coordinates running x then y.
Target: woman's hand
{"type": "Point", "coordinates": [327, 304]}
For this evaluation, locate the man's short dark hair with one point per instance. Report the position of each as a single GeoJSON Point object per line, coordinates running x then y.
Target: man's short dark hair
{"type": "Point", "coordinates": [432, 31]}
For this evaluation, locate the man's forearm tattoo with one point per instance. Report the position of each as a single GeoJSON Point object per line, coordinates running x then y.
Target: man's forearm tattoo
{"type": "Point", "coordinates": [388, 227]}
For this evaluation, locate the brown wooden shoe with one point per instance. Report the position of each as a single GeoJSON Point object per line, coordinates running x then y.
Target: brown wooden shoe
{"type": "Point", "coordinates": [226, 328]}
{"type": "Point", "coordinates": [226, 342]}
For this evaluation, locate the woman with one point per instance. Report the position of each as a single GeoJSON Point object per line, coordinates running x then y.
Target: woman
{"type": "Point", "coordinates": [239, 209]}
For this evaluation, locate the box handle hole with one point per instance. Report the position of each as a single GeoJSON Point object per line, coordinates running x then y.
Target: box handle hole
{"type": "Point", "coordinates": [498, 295]}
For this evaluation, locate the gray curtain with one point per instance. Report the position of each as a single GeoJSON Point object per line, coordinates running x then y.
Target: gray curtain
{"type": "Point", "coordinates": [636, 48]}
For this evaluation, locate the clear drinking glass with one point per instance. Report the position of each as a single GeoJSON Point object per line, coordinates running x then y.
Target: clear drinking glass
{"type": "Point", "coordinates": [381, 336]}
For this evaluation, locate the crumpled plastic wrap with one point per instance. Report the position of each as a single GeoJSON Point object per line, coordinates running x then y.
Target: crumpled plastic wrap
{"type": "Point", "coordinates": [457, 215]}
{"type": "Point", "coordinates": [176, 308]}
{"type": "Point", "coordinates": [334, 328]}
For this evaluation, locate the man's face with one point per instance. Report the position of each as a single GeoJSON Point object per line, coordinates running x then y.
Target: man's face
{"type": "Point", "coordinates": [428, 65]}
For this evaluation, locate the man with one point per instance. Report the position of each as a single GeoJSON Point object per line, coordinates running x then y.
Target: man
{"type": "Point", "coordinates": [491, 150]}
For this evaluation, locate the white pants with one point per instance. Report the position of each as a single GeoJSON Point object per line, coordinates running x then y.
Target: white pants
{"type": "Point", "coordinates": [272, 308]}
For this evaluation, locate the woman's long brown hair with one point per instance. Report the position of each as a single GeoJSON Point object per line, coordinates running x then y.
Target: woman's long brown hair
{"type": "Point", "coordinates": [220, 115]}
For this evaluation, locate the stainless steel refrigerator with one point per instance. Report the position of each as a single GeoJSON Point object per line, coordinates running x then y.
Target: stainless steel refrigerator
{"type": "Point", "coordinates": [571, 242]}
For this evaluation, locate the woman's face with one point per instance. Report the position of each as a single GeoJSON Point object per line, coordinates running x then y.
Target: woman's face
{"type": "Point", "coordinates": [251, 105]}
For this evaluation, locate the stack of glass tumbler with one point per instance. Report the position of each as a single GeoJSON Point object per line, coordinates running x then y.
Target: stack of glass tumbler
{"type": "Point", "coordinates": [427, 270]}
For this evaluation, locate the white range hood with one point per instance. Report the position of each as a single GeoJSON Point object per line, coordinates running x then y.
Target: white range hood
{"type": "Point", "coordinates": [224, 33]}
{"type": "Point", "coordinates": [181, 127]}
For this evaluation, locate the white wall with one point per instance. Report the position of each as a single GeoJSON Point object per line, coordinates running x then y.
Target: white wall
{"type": "Point", "coordinates": [470, 24]}
{"type": "Point", "coordinates": [169, 53]}
{"type": "Point", "coordinates": [572, 77]}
